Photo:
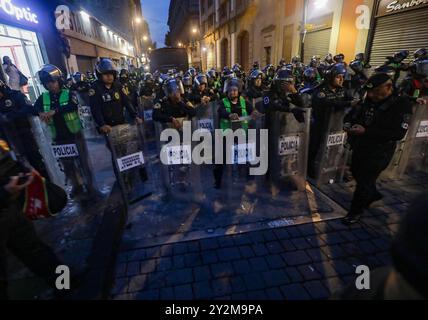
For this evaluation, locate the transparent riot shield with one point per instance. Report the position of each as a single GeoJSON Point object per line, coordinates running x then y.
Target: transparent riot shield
{"type": "Point", "coordinates": [73, 158]}
{"type": "Point", "coordinates": [126, 144]}
{"type": "Point", "coordinates": [331, 161]}
{"type": "Point", "coordinates": [411, 154]}
{"type": "Point", "coordinates": [289, 142]}
{"type": "Point", "coordinates": [205, 116]}
{"type": "Point", "coordinates": [180, 176]}
{"type": "Point", "coordinates": [146, 106]}
{"type": "Point", "coordinates": [44, 141]}
{"type": "Point", "coordinates": [85, 114]}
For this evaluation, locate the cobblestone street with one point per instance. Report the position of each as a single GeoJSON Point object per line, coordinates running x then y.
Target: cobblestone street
{"type": "Point", "coordinates": [308, 261]}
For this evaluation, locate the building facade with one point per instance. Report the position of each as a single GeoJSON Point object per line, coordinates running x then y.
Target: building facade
{"type": "Point", "coordinates": [184, 31]}
{"type": "Point", "coordinates": [112, 29]}
{"type": "Point", "coordinates": [245, 31]}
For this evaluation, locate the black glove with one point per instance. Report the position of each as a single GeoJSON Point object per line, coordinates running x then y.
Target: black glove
{"type": "Point", "coordinates": [299, 114]}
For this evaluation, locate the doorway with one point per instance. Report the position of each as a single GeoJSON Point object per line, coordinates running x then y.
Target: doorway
{"type": "Point", "coordinates": [22, 46]}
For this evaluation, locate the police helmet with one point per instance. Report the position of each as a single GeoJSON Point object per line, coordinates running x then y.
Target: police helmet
{"type": "Point", "coordinates": [360, 57]}
{"type": "Point", "coordinates": [212, 74]}
{"type": "Point", "coordinates": [201, 79]}
{"type": "Point", "coordinates": [124, 73]}
{"type": "Point", "coordinates": [329, 58]}
{"type": "Point", "coordinates": [192, 72]}
{"type": "Point", "coordinates": [105, 66]}
{"type": "Point", "coordinates": [389, 70]}
{"type": "Point", "coordinates": [233, 83]}
{"type": "Point", "coordinates": [187, 80]}
{"type": "Point", "coordinates": [49, 73]}
{"type": "Point", "coordinates": [421, 68]}
{"type": "Point", "coordinates": [399, 56]}
{"type": "Point", "coordinates": [284, 75]}
{"type": "Point", "coordinates": [357, 66]}
{"type": "Point", "coordinates": [336, 70]}
{"type": "Point", "coordinates": [172, 86]}
{"type": "Point", "coordinates": [78, 77]}
{"type": "Point", "coordinates": [256, 74]}
{"type": "Point", "coordinates": [310, 75]}
{"type": "Point", "coordinates": [148, 77]}
{"type": "Point", "coordinates": [315, 62]}
{"type": "Point", "coordinates": [339, 58]}
{"type": "Point", "coordinates": [296, 59]}
{"type": "Point", "coordinates": [421, 54]}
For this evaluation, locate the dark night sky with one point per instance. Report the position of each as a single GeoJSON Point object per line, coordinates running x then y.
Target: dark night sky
{"type": "Point", "coordinates": [156, 14]}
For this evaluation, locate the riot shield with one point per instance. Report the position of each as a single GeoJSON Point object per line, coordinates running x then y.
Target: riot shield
{"type": "Point", "coordinates": [330, 162]}
{"type": "Point", "coordinates": [44, 141]}
{"type": "Point", "coordinates": [146, 106]}
{"type": "Point", "coordinates": [74, 160]}
{"type": "Point", "coordinates": [85, 115]}
{"type": "Point", "coordinates": [126, 144]}
{"type": "Point", "coordinates": [180, 176]}
{"type": "Point", "coordinates": [411, 154]}
{"type": "Point", "coordinates": [205, 116]}
{"type": "Point", "coordinates": [288, 156]}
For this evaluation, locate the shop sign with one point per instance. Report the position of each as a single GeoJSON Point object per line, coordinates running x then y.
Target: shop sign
{"type": "Point", "coordinates": [18, 12]}
{"type": "Point", "coordinates": [387, 7]}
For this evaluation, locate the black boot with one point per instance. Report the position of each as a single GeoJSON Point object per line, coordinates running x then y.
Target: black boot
{"type": "Point", "coordinates": [352, 218]}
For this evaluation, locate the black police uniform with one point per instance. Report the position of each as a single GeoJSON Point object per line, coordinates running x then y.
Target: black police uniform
{"type": "Point", "coordinates": [107, 104]}
{"type": "Point", "coordinates": [195, 97]}
{"type": "Point", "coordinates": [254, 92]}
{"type": "Point", "coordinates": [325, 101]}
{"type": "Point", "coordinates": [17, 235]}
{"type": "Point", "coordinates": [15, 107]}
{"type": "Point", "coordinates": [165, 110]}
{"type": "Point", "coordinates": [386, 122]}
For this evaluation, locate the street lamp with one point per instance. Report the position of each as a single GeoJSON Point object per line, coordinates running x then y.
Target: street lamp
{"type": "Point", "coordinates": [180, 44]}
{"type": "Point", "coordinates": [145, 38]}
{"type": "Point", "coordinates": [138, 20]}
{"type": "Point", "coordinates": [194, 30]}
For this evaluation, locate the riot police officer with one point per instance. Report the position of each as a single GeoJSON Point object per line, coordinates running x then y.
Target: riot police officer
{"type": "Point", "coordinates": [374, 126]}
{"type": "Point", "coordinates": [231, 108]}
{"type": "Point", "coordinates": [310, 83]}
{"type": "Point", "coordinates": [415, 85]}
{"type": "Point", "coordinates": [327, 98]}
{"type": "Point", "coordinates": [58, 108]}
{"type": "Point", "coordinates": [283, 96]}
{"type": "Point", "coordinates": [129, 85]}
{"type": "Point", "coordinates": [109, 99]}
{"type": "Point", "coordinates": [201, 93]}
{"type": "Point", "coordinates": [15, 109]}
{"type": "Point", "coordinates": [173, 106]}
{"type": "Point", "coordinates": [148, 86]}
{"type": "Point", "coordinates": [255, 85]}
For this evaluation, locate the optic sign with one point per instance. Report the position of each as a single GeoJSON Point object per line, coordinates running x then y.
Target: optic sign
{"type": "Point", "coordinates": [179, 154]}
{"type": "Point", "coordinates": [148, 115]}
{"type": "Point", "coordinates": [243, 153]}
{"type": "Point", "coordinates": [336, 139]}
{"type": "Point", "coordinates": [65, 151]}
{"type": "Point", "coordinates": [422, 130]}
{"type": "Point", "coordinates": [131, 161]}
{"type": "Point", "coordinates": [289, 145]}
{"type": "Point", "coordinates": [206, 124]}
{"type": "Point", "coordinates": [19, 13]}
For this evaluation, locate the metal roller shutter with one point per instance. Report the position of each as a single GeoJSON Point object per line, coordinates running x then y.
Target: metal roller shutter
{"type": "Point", "coordinates": [402, 31]}
{"type": "Point", "coordinates": [317, 43]}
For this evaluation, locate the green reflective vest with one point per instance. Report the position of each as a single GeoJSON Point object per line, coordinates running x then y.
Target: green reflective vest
{"type": "Point", "coordinates": [72, 119]}
{"type": "Point", "coordinates": [227, 124]}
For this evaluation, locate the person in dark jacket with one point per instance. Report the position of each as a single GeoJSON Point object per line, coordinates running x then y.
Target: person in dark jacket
{"type": "Point", "coordinates": [173, 106]}
{"type": "Point", "coordinates": [109, 99]}
{"type": "Point", "coordinates": [374, 127]}
{"type": "Point", "coordinates": [17, 233]}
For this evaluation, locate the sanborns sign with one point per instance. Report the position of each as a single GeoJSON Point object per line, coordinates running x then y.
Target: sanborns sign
{"type": "Point", "coordinates": [392, 6]}
{"type": "Point", "coordinates": [20, 13]}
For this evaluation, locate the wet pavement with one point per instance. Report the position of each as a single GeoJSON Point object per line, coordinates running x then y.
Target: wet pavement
{"type": "Point", "coordinates": [312, 260]}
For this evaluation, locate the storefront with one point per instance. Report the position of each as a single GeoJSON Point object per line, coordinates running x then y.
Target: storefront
{"type": "Point", "coordinates": [398, 25]}
{"type": "Point", "coordinates": [318, 35]}
{"type": "Point", "coordinates": [26, 36]}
